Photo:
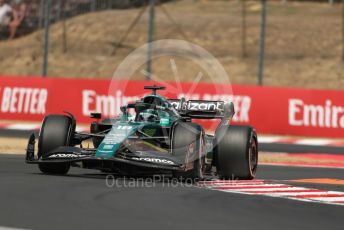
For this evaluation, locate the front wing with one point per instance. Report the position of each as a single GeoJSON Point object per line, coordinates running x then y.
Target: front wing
{"type": "Point", "coordinates": [67, 154]}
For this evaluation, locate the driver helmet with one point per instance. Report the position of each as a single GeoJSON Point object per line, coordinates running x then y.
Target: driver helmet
{"type": "Point", "coordinates": [149, 115]}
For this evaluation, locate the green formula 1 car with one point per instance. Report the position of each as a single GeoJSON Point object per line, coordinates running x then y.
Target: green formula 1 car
{"type": "Point", "coordinates": [160, 139]}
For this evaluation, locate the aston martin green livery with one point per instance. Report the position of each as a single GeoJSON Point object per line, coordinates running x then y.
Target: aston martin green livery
{"type": "Point", "coordinates": [154, 135]}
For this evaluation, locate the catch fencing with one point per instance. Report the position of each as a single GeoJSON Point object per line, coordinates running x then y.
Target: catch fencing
{"type": "Point", "coordinates": [302, 45]}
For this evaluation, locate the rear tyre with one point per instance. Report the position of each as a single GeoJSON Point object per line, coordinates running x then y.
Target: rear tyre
{"type": "Point", "coordinates": [236, 152]}
{"type": "Point", "coordinates": [56, 131]}
{"type": "Point", "coordinates": [188, 146]}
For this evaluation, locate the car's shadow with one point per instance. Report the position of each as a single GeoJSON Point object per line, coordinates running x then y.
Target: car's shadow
{"type": "Point", "coordinates": [103, 176]}
{"type": "Point", "coordinates": [139, 179]}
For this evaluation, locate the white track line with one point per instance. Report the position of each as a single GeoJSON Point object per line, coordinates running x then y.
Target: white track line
{"type": "Point", "coordinates": [302, 165]}
{"type": "Point", "coordinates": [250, 186]}
{"type": "Point", "coordinates": [277, 190]}
{"type": "Point", "coordinates": [23, 126]}
{"type": "Point", "coordinates": [239, 184]}
{"type": "Point", "coordinates": [327, 199]}
{"type": "Point", "coordinates": [317, 142]}
{"type": "Point", "coordinates": [232, 182]}
{"type": "Point", "coordinates": [291, 194]}
{"type": "Point", "coordinates": [268, 139]}
{"type": "Point", "coordinates": [9, 228]}
{"type": "Point", "coordinates": [33, 127]}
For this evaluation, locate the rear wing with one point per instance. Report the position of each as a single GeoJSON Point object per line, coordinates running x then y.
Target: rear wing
{"type": "Point", "coordinates": [200, 109]}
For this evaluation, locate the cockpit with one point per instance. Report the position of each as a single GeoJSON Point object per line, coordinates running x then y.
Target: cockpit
{"type": "Point", "coordinates": [155, 108]}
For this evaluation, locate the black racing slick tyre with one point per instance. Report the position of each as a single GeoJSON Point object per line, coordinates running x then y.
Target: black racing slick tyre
{"type": "Point", "coordinates": [236, 152]}
{"type": "Point", "coordinates": [56, 131]}
{"type": "Point", "coordinates": [188, 145]}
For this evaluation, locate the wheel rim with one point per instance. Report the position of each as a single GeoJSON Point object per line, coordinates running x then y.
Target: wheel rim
{"type": "Point", "coordinates": [253, 157]}
{"type": "Point", "coordinates": [201, 160]}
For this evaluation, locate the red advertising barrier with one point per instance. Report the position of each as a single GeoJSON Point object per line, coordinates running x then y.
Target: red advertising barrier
{"type": "Point", "coordinates": [269, 109]}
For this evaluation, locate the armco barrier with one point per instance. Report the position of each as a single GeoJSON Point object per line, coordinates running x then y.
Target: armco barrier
{"type": "Point", "coordinates": [271, 110]}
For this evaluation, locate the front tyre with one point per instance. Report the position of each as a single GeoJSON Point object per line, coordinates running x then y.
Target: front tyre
{"type": "Point", "coordinates": [56, 131]}
{"type": "Point", "coordinates": [236, 152]}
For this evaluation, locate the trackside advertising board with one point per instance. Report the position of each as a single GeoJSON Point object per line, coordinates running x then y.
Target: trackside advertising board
{"type": "Point", "coordinates": [271, 110]}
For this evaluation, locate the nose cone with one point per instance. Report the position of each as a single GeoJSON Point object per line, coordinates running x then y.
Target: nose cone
{"type": "Point", "coordinates": [113, 140]}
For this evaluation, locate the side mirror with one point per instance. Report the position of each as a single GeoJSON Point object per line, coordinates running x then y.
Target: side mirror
{"type": "Point", "coordinates": [124, 109]}
{"type": "Point", "coordinates": [96, 115]}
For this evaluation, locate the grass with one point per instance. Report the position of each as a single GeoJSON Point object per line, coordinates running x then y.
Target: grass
{"type": "Point", "coordinates": [303, 44]}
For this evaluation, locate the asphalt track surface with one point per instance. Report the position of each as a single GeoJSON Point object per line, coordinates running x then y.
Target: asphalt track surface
{"type": "Point", "coordinates": [81, 200]}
